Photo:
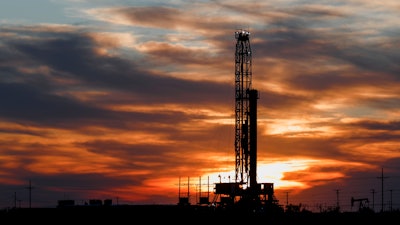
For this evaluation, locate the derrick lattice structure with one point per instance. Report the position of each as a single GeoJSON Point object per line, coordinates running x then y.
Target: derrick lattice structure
{"type": "Point", "coordinates": [245, 191]}
{"type": "Point", "coordinates": [243, 77]}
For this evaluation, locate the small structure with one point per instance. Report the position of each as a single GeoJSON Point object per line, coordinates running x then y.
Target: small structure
{"type": "Point", "coordinates": [363, 203]}
{"type": "Point", "coordinates": [95, 202]}
{"type": "Point", "coordinates": [65, 203]}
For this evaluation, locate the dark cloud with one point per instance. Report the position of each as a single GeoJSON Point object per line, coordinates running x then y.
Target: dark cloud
{"type": "Point", "coordinates": [378, 125]}
{"type": "Point", "coordinates": [25, 102]}
{"type": "Point", "coordinates": [72, 57]}
{"type": "Point", "coordinates": [302, 147]}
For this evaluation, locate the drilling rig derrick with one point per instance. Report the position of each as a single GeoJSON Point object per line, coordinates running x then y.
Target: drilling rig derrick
{"type": "Point", "coordinates": [243, 75]}
{"type": "Point", "coordinates": [245, 189]}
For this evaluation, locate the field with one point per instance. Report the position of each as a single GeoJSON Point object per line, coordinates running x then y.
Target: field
{"type": "Point", "coordinates": [171, 214]}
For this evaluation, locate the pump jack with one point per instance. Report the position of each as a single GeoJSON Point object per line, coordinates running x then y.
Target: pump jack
{"type": "Point", "coordinates": [363, 203]}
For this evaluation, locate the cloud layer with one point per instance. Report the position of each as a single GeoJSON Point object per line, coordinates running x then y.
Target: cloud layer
{"type": "Point", "coordinates": [124, 105]}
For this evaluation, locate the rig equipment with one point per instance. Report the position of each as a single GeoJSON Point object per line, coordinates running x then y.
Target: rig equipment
{"type": "Point", "coordinates": [245, 190]}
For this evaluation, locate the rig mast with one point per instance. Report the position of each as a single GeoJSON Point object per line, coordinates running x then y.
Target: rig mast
{"type": "Point", "coordinates": [245, 191]}
{"type": "Point", "coordinates": [245, 117]}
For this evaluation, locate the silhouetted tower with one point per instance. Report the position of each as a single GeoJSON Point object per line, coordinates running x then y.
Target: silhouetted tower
{"type": "Point", "coordinates": [245, 113]}
{"type": "Point", "coordinates": [245, 191]}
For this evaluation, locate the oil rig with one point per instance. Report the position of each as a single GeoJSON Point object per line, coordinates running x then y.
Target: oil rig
{"type": "Point", "coordinates": [245, 190]}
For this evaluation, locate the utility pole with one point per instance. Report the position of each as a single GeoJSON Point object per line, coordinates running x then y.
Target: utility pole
{"type": "Point", "coordinates": [382, 178]}
{"type": "Point", "coordinates": [30, 193]}
{"type": "Point", "coordinates": [373, 199]}
{"type": "Point", "coordinates": [179, 190]}
{"type": "Point", "coordinates": [199, 190]}
{"type": "Point", "coordinates": [337, 199]}
{"type": "Point", "coordinates": [15, 199]}
{"type": "Point", "coordinates": [391, 204]}
{"type": "Point", "coordinates": [287, 199]}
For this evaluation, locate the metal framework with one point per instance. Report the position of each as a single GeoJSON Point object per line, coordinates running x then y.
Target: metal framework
{"type": "Point", "coordinates": [245, 191]}
{"type": "Point", "coordinates": [243, 76]}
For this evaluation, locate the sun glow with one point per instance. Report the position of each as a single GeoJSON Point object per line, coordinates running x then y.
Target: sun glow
{"type": "Point", "coordinates": [274, 172]}
{"type": "Point", "coordinates": [268, 173]}
{"type": "Point", "coordinates": [298, 127]}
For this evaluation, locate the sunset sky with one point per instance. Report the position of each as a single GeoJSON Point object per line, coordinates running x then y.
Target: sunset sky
{"type": "Point", "coordinates": [123, 99]}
